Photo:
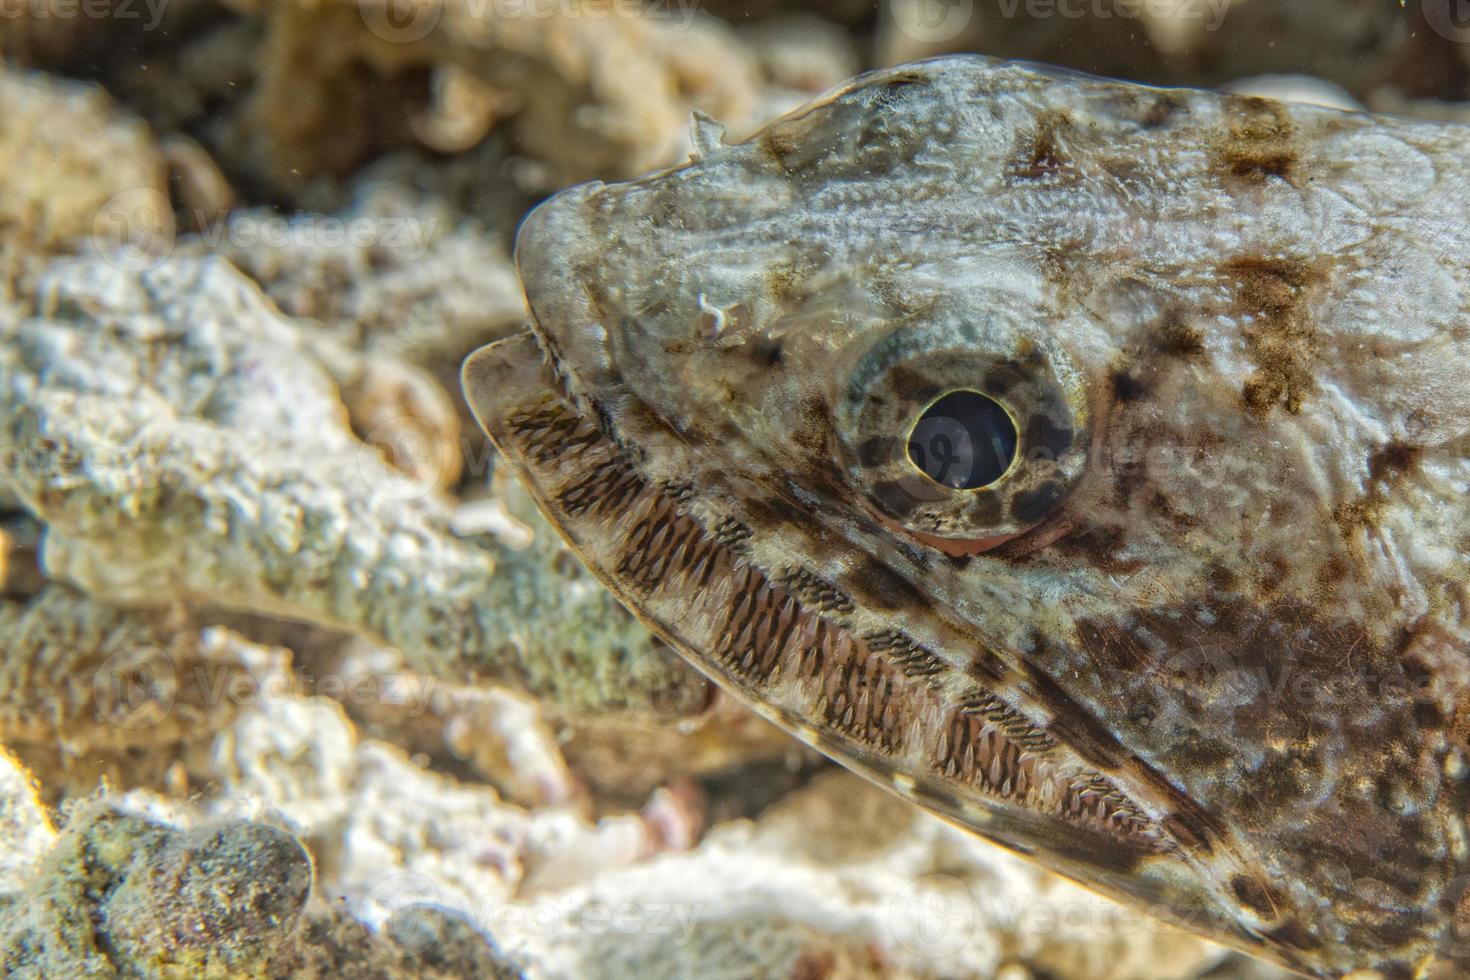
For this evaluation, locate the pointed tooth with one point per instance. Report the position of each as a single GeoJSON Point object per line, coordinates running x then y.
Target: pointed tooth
{"type": "Point", "coordinates": [809, 630]}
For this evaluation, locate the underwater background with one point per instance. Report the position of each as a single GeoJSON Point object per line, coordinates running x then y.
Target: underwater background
{"type": "Point", "coordinates": [292, 681]}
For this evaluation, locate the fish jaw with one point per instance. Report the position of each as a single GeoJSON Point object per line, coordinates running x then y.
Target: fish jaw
{"type": "Point", "coordinates": [732, 335]}
{"type": "Point", "coordinates": [693, 572]}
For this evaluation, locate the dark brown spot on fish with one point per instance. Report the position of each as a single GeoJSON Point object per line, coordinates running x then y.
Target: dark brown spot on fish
{"type": "Point", "coordinates": [816, 413]}
{"type": "Point", "coordinates": [1175, 336]}
{"type": "Point", "coordinates": [895, 497]}
{"type": "Point", "coordinates": [1360, 515]}
{"type": "Point", "coordinates": [913, 386]}
{"type": "Point", "coordinates": [1272, 574]}
{"type": "Point", "coordinates": [1271, 298]}
{"type": "Point", "coordinates": [1043, 155]}
{"type": "Point", "coordinates": [1294, 935]}
{"type": "Point", "coordinates": [1222, 578]}
{"type": "Point", "coordinates": [1260, 145]}
{"type": "Point", "coordinates": [986, 507]}
{"type": "Point", "coordinates": [920, 557]}
{"type": "Point", "coordinates": [1332, 573]}
{"type": "Point", "coordinates": [1388, 465]}
{"type": "Point", "coordinates": [767, 351]}
{"type": "Point", "coordinates": [776, 512]}
{"type": "Point", "coordinates": [1128, 386]}
{"type": "Point", "coordinates": [1129, 468]}
{"type": "Point", "coordinates": [936, 797]}
{"type": "Point", "coordinates": [1073, 725]}
{"type": "Point", "coordinates": [1187, 832]}
{"type": "Point", "coordinates": [877, 450]}
{"type": "Point", "coordinates": [1258, 163]}
{"type": "Point", "coordinates": [1268, 286]}
{"type": "Point", "coordinates": [1030, 506]}
{"type": "Point", "coordinates": [1113, 648]}
{"type": "Point", "coordinates": [1100, 546]}
{"type": "Point", "coordinates": [814, 965]}
{"type": "Point", "coordinates": [884, 588]}
{"type": "Point", "coordinates": [1045, 434]}
{"type": "Point", "coordinates": [1001, 378]}
{"type": "Point", "coordinates": [1161, 111]}
{"type": "Point", "coordinates": [791, 148]}
{"type": "Point", "coordinates": [1393, 462]}
{"type": "Point", "coordinates": [1162, 505]}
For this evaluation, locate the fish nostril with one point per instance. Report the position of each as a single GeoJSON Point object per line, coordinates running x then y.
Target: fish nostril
{"type": "Point", "coordinates": [964, 441]}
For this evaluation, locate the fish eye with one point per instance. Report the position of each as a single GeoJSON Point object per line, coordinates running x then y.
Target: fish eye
{"type": "Point", "coordinates": [965, 440]}
{"type": "Point", "coordinates": [964, 431]}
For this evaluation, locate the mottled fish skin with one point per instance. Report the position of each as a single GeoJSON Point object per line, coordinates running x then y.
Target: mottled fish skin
{"type": "Point", "coordinates": [1204, 647]}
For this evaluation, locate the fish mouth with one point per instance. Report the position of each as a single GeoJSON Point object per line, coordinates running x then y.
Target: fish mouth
{"type": "Point", "coordinates": [793, 649]}
{"type": "Point", "coordinates": [547, 260]}
{"type": "Point", "coordinates": [926, 711]}
{"type": "Point", "coordinates": [694, 578]}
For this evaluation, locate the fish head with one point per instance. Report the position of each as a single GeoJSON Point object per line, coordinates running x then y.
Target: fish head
{"type": "Point", "coordinates": [781, 282]}
{"type": "Point", "coordinates": [998, 432]}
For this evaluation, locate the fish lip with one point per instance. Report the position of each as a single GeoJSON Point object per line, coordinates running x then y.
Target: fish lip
{"type": "Point", "coordinates": [547, 242]}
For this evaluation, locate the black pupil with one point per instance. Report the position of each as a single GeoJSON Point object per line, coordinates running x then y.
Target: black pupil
{"type": "Point", "coordinates": [964, 441]}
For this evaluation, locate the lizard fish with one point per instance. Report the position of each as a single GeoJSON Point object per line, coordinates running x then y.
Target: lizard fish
{"type": "Point", "coordinates": [1085, 462]}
